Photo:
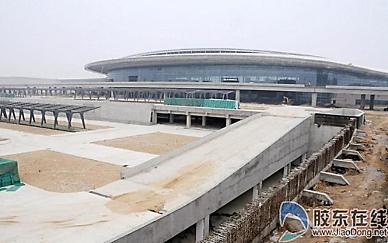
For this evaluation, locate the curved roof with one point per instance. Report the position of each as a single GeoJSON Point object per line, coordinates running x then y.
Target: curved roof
{"type": "Point", "coordinates": [227, 56]}
{"type": "Point", "coordinates": [207, 51]}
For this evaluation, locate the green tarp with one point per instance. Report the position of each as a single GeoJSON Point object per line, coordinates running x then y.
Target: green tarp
{"type": "Point", "coordinates": [211, 103]}
{"type": "Point", "coordinates": [9, 174]}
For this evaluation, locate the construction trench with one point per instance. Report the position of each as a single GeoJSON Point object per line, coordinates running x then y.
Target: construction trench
{"type": "Point", "coordinates": [261, 216]}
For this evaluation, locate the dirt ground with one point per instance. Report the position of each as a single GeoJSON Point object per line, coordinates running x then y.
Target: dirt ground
{"type": "Point", "coordinates": [153, 143]}
{"type": "Point", "coordinates": [58, 172]}
{"type": "Point", "coordinates": [47, 131]}
{"type": "Point", "coordinates": [368, 189]}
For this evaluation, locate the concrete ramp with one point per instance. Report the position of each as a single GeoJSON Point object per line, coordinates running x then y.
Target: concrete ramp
{"type": "Point", "coordinates": [188, 184]}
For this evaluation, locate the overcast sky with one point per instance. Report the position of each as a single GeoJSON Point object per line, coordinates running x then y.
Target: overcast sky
{"type": "Point", "coordinates": [56, 38]}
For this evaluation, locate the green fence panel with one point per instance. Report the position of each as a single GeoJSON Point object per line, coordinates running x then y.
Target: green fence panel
{"type": "Point", "coordinates": [211, 103]}
{"type": "Point", "coordinates": [217, 103]}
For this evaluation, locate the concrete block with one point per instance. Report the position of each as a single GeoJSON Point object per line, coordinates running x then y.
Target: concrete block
{"type": "Point", "coordinates": [354, 153]}
{"type": "Point", "coordinates": [333, 178]}
{"type": "Point", "coordinates": [357, 146]}
{"type": "Point", "coordinates": [320, 196]}
{"type": "Point", "coordinates": [348, 164]}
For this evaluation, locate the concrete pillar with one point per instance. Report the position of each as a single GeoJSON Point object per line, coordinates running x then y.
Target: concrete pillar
{"type": "Point", "coordinates": [202, 229]}
{"type": "Point", "coordinates": [372, 102]}
{"type": "Point", "coordinates": [238, 95]}
{"type": "Point", "coordinates": [228, 120]}
{"type": "Point", "coordinates": [204, 121]}
{"type": "Point", "coordinates": [112, 95]}
{"type": "Point", "coordinates": [304, 157]}
{"type": "Point", "coordinates": [154, 117]}
{"type": "Point", "coordinates": [314, 97]}
{"type": "Point", "coordinates": [362, 102]}
{"type": "Point", "coordinates": [188, 120]}
{"type": "Point", "coordinates": [286, 170]}
{"type": "Point", "coordinates": [256, 190]}
{"type": "Point", "coordinates": [171, 118]}
{"type": "Point", "coordinates": [289, 168]}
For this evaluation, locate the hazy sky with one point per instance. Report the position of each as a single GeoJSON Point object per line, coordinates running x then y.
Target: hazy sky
{"type": "Point", "coordinates": [56, 38]}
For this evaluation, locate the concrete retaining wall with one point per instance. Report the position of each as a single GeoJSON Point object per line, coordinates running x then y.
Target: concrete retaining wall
{"type": "Point", "coordinates": [340, 117]}
{"type": "Point", "coordinates": [124, 112]}
{"type": "Point", "coordinates": [320, 135]}
{"type": "Point", "coordinates": [260, 216]}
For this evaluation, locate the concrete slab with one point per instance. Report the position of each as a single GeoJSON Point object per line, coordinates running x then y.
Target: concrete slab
{"type": "Point", "coordinates": [40, 216]}
{"type": "Point", "coordinates": [106, 154]}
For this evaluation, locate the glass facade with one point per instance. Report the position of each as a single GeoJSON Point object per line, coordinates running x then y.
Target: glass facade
{"type": "Point", "coordinates": [243, 74]}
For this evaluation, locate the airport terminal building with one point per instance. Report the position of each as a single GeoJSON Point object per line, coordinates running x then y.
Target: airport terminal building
{"type": "Point", "coordinates": [237, 66]}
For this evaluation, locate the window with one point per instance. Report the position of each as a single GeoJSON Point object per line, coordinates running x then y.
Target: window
{"type": "Point", "coordinates": [231, 79]}
{"type": "Point", "coordinates": [132, 78]}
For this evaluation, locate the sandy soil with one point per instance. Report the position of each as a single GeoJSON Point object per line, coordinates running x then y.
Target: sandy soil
{"type": "Point", "coordinates": [58, 172]}
{"type": "Point", "coordinates": [153, 143]}
{"type": "Point", "coordinates": [142, 200]}
{"type": "Point", "coordinates": [367, 189]}
{"type": "Point", "coordinates": [47, 131]}
{"type": "Point", "coordinates": [188, 176]}
{"type": "Point", "coordinates": [137, 201]}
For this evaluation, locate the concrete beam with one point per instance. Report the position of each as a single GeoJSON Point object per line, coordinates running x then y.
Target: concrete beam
{"type": "Point", "coordinates": [320, 196]}
{"type": "Point", "coordinates": [354, 153]}
{"type": "Point", "coordinates": [333, 178]}
{"type": "Point", "coordinates": [347, 164]}
{"type": "Point", "coordinates": [202, 229]}
{"type": "Point", "coordinates": [333, 89]}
